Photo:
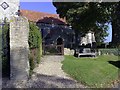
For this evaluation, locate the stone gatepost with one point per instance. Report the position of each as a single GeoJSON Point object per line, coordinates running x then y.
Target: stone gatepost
{"type": "Point", "coordinates": [19, 48]}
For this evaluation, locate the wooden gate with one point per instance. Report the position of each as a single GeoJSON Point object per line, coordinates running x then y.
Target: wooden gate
{"type": "Point", "coordinates": [53, 49]}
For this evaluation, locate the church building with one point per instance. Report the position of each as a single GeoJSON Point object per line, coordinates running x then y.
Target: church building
{"type": "Point", "coordinates": [54, 29]}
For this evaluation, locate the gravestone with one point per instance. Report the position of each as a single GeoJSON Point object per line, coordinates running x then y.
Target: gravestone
{"type": "Point", "coordinates": [19, 48]}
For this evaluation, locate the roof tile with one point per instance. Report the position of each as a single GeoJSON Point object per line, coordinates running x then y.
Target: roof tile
{"type": "Point", "coordinates": [43, 17]}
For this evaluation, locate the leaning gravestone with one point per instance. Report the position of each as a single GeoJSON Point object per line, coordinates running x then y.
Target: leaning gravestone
{"type": "Point", "coordinates": [19, 48]}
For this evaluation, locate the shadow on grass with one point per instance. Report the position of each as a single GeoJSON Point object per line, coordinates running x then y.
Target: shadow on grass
{"type": "Point", "coordinates": [115, 63]}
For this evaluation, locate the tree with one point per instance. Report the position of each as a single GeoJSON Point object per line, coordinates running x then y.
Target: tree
{"type": "Point", "coordinates": [85, 16]}
{"type": "Point", "coordinates": [116, 26]}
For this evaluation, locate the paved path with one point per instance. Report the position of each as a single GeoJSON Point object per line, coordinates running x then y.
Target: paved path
{"type": "Point", "coordinates": [47, 75]}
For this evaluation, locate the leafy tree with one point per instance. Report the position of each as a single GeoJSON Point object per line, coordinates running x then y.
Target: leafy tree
{"type": "Point", "coordinates": [85, 16]}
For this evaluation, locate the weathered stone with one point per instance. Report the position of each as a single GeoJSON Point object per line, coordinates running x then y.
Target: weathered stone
{"type": "Point", "coordinates": [68, 51]}
{"type": "Point", "coordinates": [19, 48]}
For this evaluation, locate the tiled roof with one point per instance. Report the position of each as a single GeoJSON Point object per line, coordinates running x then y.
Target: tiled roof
{"type": "Point", "coordinates": [42, 17]}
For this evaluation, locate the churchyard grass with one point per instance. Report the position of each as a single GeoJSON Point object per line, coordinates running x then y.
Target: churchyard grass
{"type": "Point", "coordinates": [93, 72]}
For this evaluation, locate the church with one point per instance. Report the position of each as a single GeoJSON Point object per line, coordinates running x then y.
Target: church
{"type": "Point", "coordinates": [53, 28]}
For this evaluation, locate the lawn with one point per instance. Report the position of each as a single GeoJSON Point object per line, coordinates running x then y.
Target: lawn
{"type": "Point", "coordinates": [93, 72]}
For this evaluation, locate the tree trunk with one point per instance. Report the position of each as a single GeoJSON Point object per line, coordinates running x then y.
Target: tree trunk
{"type": "Point", "coordinates": [76, 44]}
{"type": "Point", "coordinates": [114, 34]}
{"type": "Point", "coordinates": [116, 28]}
{"type": "Point", "coordinates": [76, 39]}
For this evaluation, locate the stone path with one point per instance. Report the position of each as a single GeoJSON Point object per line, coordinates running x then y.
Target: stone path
{"type": "Point", "coordinates": [48, 75]}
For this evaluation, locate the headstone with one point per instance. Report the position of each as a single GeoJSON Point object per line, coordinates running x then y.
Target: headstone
{"type": "Point", "coordinates": [8, 8]}
{"type": "Point", "coordinates": [19, 48]}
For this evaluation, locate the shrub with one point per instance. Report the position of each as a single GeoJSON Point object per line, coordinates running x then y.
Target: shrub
{"type": "Point", "coordinates": [35, 45]}
{"type": "Point", "coordinates": [5, 50]}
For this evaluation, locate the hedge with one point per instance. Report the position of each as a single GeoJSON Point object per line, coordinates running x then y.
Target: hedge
{"type": "Point", "coordinates": [5, 50]}
{"type": "Point", "coordinates": [35, 45]}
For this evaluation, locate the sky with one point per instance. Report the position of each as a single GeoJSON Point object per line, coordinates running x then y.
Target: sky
{"type": "Point", "coordinates": [49, 8]}
{"type": "Point", "coordinates": [39, 6]}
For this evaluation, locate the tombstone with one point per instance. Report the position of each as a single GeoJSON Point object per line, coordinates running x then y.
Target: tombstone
{"type": "Point", "coordinates": [19, 48]}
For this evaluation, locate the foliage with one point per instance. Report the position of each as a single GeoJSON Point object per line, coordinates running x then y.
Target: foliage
{"type": "Point", "coordinates": [35, 44]}
{"type": "Point", "coordinates": [34, 36]}
{"type": "Point", "coordinates": [85, 16]}
{"type": "Point", "coordinates": [32, 64]}
{"type": "Point", "coordinates": [93, 72]}
{"type": "Point", "coordinates": [5, 50]}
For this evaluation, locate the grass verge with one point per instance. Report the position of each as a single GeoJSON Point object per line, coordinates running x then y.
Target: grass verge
{"type": "Point", "coordinates": [93, 72]}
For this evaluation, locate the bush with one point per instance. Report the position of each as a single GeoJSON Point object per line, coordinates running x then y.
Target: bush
{"type": "Point", "coordinates": [35, 45]}
{"type": "Point", "coordinates": [5, 51]}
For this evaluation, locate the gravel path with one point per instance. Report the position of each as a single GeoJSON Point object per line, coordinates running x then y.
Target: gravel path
{"type": "Point", "coordinates": [47, 75]}
{"type": "Point", "coordinates": [51, 65]}
{"type": "Point", "coordinates": [51, 74]}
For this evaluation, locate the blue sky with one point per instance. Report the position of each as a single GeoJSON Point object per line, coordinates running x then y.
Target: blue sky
{"type": "Point", "coordinates": [49, 8]}
{"type": "Point", "coordinates": [39, 6]}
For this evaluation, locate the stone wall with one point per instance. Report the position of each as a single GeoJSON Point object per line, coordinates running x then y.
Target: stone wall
{"type": "Point", "coordinates": [19, 48]}
{"type": "Point", "coordinates": [67, 51]}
